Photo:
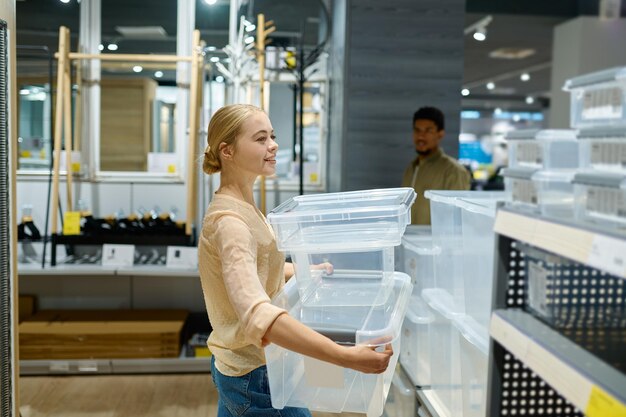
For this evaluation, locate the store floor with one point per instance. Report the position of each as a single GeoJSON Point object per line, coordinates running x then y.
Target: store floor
{"type": "Point", "coordinates": [186, 395]}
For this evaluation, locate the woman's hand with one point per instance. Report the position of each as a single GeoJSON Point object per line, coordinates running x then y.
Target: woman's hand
{"type": "Point", "coordinates": [326, 266]}
{"type": "Point", "coordinates": [365, 359]}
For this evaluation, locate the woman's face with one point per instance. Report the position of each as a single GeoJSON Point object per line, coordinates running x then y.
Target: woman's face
{"type": "Point", "coordinates": [255, 148]}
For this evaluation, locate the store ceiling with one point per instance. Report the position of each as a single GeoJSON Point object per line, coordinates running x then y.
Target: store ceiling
{"type": "Point", "coordinates": [516, 24]}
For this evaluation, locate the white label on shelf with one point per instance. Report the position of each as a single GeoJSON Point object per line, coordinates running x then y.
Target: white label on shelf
{"type": "Point", "coordinates": [530, 151]}
{"type": "Point", "coordinates": [322, 374]}
{"type": "Point", "coordinates": [118, 255]}
{"type": "Point", "coordinates": [182, 257]}
{"type": "Point", "coordinates": [608, 254]}
{"type": "Point", "coordinates": [611, 154]}
{"type": "Point", "coordinates": [602, 103]}
{"type": "Point", "coordinates": [59, 366]}
{"type": "Point", "coordinates": [607, 202]}
{"type": "Point", "coordinates": [538, 287]}
{"type": "Point", "coordinates": [524, 191]}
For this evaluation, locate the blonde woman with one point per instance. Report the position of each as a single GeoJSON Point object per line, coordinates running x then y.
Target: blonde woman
{"type": "Point", "coordinates": [241, 269]}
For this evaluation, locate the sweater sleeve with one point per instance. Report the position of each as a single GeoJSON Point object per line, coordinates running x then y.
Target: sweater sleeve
{"type": "Point", "coordinates": [237, 250]}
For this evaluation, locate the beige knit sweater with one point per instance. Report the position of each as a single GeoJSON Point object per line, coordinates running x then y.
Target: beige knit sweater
{"type": "Point", "coordinates": [240, 269]}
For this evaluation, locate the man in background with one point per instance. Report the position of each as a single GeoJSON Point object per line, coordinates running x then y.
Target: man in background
{"type": "Point", "coordinates": [432, 169]}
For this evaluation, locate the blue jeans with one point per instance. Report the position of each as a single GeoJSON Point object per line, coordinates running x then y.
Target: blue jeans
{"type": "Point", "coordinates": [248, 396]}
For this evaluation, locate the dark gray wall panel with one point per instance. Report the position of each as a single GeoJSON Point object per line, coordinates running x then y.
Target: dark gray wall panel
{"type": "Point", "coordinates": [398, 55]}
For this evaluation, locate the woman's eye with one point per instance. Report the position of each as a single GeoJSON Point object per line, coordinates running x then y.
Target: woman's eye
{"type": "Point", "coordinates": [261, 139]}
{"type": "Point", "coordinates": [273, 137]}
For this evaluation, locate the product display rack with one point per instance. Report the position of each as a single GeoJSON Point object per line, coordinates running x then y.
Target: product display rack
{"type": "Point", "coordinates": [558, 330]}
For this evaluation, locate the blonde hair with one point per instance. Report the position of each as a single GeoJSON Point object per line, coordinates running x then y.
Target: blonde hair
{"type": "Point", "coordinates": [225, 126]}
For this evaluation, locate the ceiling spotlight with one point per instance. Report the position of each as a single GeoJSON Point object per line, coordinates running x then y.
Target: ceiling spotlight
{"type": "Point", "coordinates": [158, 74]}
{"type": "Point", "coordinates": [516, 118]}
{"type": "Point", "coordinates": [210, 2]}
{"type": "Point", "coordinates": [137, 68]}
{"type": "Point", "coordinates": [480, 34]}
{"type": "Point", "coordinates": [219, 79]}
{"type": "Point", "coordinates": [100, 47]}
{"type": "Point", "coordinates": [525, 76]}
{"type": "Point", "coordinates": [250, 27]}
{"type": "Point", "coordinates": [530, 100]}
{"type": "Point", "coordinates": [65, 1]}
{"type": "Point", "coordinates": [112, 47]}
{"type": "Point", "coordinates": [490, 86]}
{"type": "Point", "coordinates": [211, 48]}
{"type": "Point", "coordinates": [249, 39]}
{"type": "Point", "coordinates": [215, 59]}
{"type": "Point", "coordinates": [465, 92]}
{"type": "Point", "coordinates": [497, 111]}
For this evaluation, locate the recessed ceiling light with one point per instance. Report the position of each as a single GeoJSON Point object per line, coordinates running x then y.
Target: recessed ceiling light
{"type": "Point", "coordinates": [530, 100]}
{"type": "Point", "coordinates": [525, 76]}
{"type": "Point", "coordinates": [497, 111]}
{"type": "Point", "coordinates": [101, 47]}
{"type": "Point", "coordinates": [158, 74]}
{"type": "Point", "coordinates": [219, 79]}
{"type": "Point", "coordinates": [112, 47]}
{"type": "Point", "coordinates": [211, 48]}
{"type": "Point", "coordinates": [511, 53]}
{"type": "Point", "coordinates": [137, 68]}
{"type": "Point", "coordinates": [65, 1]}
{"type": "Point", "coordinates": [250, 27]}
{"type": "Point", "coordinates": [210, 2]}
{"type": "Point", "coordinates": [215, 59]}
{"type": "Point", "coordinates": [490, 86]}
{"type": "Point", "coordinates": [465, 92]}
{"type": "Point", "coordinates": [249, 39]}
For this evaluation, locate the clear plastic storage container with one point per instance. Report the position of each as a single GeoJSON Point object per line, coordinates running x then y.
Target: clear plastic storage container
{"type": "Point", "coordinates": [474, 348]}
{"type": "Point", "coordinates": [415, 346]}
{"type": "Point", "coordinates": [547, 149]}
{"type": "Point", "coordinates": [331, 222]}
{"type": "Point", "coordinates": [603, 149]}
{"type": "Point", "coordinates": [555, 193]}
{"type": "Point", "coordinates": [418, 257]}
{"type": "Point", "coordinates": [518, 181]}
{"type": "Point", "coordinates": [445, 355]}
{"type": "Point", "coordinates": [601, 198]}
{"type": "Point", "coordinates": [300, 381]}
{"type": "Point", "coordinates": [478, 218]}
{"type": "Point", "coordinates": [598, 98]}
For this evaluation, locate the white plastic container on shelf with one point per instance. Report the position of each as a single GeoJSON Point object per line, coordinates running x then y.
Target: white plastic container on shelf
{"type": "Point", "coordinates": [601, 198]}
{"type": "Point", "coordinates": [518, 181]}
{"type": "Point", "coordinates": [474, 348]}
{"type": "Point", "coordinates": [445, 356]}
{"type": "Point", "coordinates": [603, 149]}
{"type": "Point", "coordinates": [415, 346]}
{"type": "Point", "coordinates": [555, 193]}
{"type": "Point", "coordinates": [300, 381]}
{"type": "Point", "coordinates": [548, 149]}
{"type": "Point", "coordinates": [478, 218]}
{"type": "Point", "coordinates": [418, 256]}
{"type": "Point", "coordinates": [598, 98]}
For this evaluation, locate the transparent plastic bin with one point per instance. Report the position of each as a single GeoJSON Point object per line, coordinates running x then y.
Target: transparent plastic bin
{"type": "Point", "coordinates": [418, 260]}
{"type": "Point", "coordinates": [524, 194]}
{"type": "Point", "coordinates": [478, 217]}
{"type": "Point", "coordinates": [555, 193]}
{"type": "Point", "coordinates": [603, 149]}
{"type": "Point", "coordinates": [474, 348]}
{"type": "Point", "coordinates": [415, 346]}
{"type": "Point", "coordinates": [598, 98]}
{"type": "Point", "coordinates": [447, 232]}
{"type": "Point", "coordinates": [601, 198]}
{"type": "Point", "coordinates": [331, 222]}
{"type": "Point", "coordinates": [299, 381]}
{"type": "Point", "coordinates": [547, 149]}
{"type": "Point", "coordinates": [353, 273]}
{"type": "Point", "coordinates": [445, 355]}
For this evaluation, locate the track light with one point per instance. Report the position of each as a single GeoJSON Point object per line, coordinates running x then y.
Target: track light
{"type": "Point", "coordinates": [530, 100]}
{"type": "Point", "coordinates": [480, 34]}
{"type": "Point", "coordinates": [465, 92]}
{"type": "Point", "coordinates": [490, 86]}
{"type": "Point", "coordinates": [525, 76]}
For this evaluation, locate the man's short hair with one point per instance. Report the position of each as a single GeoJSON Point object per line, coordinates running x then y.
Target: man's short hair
{"type": "Point", "coordinates": [430, 113]}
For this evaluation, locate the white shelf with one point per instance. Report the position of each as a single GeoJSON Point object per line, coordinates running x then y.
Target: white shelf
{"type": "Point", "coordinates": [77, 270]}
{"type": "Point", "coordinates": [589, 383]}
{"type": "Point", "coordinates": [597, 247]}
{"type": "Point", "coordinates": [115, 366]}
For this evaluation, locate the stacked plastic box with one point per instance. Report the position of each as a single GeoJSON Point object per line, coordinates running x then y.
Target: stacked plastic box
{"type": "Point", "coordinates": [542, 164]}
{"type": "Point", "coordinates": [363, 301]}
{"type": "Point", "coordinates": [598, 108]}
{"type": "Point", "coordinates": [460, 300]}
{"type": "Point", "coordinates": [416, 258]}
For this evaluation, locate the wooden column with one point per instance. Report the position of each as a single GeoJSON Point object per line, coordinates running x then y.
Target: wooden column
{"type": "Point", "coordinates": [67, 121]}
{"type": "Point", "coordinates": [194, 127]}
{"type": "Point", "coordinates": [58, 125]}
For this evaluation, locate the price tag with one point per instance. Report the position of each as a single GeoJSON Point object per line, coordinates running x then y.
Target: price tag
{"type": "Point", "coordinates": [118, 255]}
{"type": "Point", "coordinates": [182, 257]}
{"type": "Point", "coordinates": [608, 254]}
{"type": "Point", "coordinates": [602, 404]}
{"type": "Point", "coordinates": [71, 223]}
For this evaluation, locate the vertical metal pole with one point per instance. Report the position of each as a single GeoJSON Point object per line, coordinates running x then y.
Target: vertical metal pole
{"type": "Point", "coordinates": [67, 121]}
{"type": "Point", "coordinates": [301, 115]}
{"type": "Point", "coordinates": [193, 131]}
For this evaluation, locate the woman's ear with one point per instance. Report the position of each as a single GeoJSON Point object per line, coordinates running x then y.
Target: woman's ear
{"type": "Point", "coordinates": [225, 151]}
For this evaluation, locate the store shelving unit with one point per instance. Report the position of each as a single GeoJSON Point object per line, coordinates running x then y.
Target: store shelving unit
{"type": "Point", "coordinates": [558, 330]}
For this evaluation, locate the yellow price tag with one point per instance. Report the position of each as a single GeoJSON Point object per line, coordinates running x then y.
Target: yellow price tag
{"type": "Point", "coordinates": [171, 169]}
{"type": "Point", "coordinates": [602, 404]}
{"type": "Point", "coordinates": [313, 177]}
{"type": "Point", "coordinates": [71, 223]}
{"type": "Point", "coordinates": [75, 167]}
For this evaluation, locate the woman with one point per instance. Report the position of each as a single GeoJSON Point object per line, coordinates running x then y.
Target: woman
{"type": "Point", "coordinates": [241, 269]}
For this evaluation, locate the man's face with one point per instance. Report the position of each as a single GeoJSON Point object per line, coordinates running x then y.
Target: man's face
{"type": "Point", "coordinates": [426, 136]}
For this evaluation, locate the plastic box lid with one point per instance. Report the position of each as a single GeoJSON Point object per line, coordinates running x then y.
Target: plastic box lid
{"type": "Point", "coordinates": [344, 206]}
{"type": "Point", "coordinates": [484, 207]}
{"type": "Point", "coordinates": [473, 332]}
{"type": "Point", "coordinates": [417, 312]}
{"type": "Point", "coordinates": [602, 179]}
{"type": "Point", "coordinates": [617, 132]}
{"type": "Point", "coordinates": [450, 196]}
{"type": "Point", "coordinates": [611, 74]}
{"type": "Point", "coordinates": [554, 176]}
{"type": "Point", "coordinates": [542, 134]}
{"type": "Point", "coordinates": [519, 173]}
